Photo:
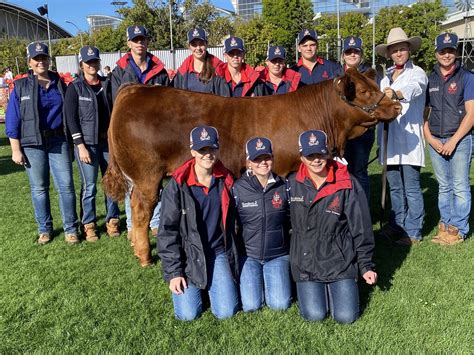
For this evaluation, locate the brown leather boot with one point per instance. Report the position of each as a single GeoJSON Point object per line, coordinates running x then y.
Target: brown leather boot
{"type": "Point", "coordinates": [442, 232]}
{"type": "Point", "coordinates": [90, 232]}
{"type": "Point", "coordinates": [452, 237]}
{"type": "Point", "coordinates": [113, 227]}
{"type": "Point", "coordinates": [71, 239]}
{"type": "Point", "coordinates": [44, 238]}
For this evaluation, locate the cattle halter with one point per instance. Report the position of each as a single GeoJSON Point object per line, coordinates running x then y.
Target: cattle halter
{"type": "Point", "coordinates": [370, 109]}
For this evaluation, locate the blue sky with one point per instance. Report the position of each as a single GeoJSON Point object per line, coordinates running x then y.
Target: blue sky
{"type": "Point", "coordinates": [77, 10]}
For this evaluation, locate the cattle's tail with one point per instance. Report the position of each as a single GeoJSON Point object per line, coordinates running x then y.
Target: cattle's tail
{"type": "Point", "coordinates": [115, 183]}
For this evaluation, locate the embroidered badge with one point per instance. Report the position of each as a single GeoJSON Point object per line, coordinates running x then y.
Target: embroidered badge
{"type": "Point", "coordinates": [204, 135]}
{"type": "Point", "coordinates": [233, 42]}
{"type": "Point", "coordinates": [335, 206]}
{"type": "Point", "coordinates": [38, 47]}
{"type": "Point", "coordinates": [352, 42]}
{"type": "Point", "coordinates": [249, 204]}
{"type": "Point", "coordinates": [297, 199]}
{"type": "Point", "coordinates": [313, 140]}
{"type": "Point", "coordinates": [90, 51]}
{"type": "Point", "coordinates": [447, 38]}
{"type": "Point", "coordinates": [259, 145]}
{"type": "Point", "coordinates": [277, 51]}
{"type": "Point", "coordinates": [195, 33]}
{"type": "Point", "coordinates": [452, 88]}
{"type": "Point", "coordinates": [276, 200]}
{"type": "Point", "coordinates": [136, 30]}
{"type": "Point", "coordinates": [307, 33]}
{"type": "Point", "coordinates": [325, 74]}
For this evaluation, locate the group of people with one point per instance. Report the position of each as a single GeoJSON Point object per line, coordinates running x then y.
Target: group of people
{"type": "Point", "coordinates": [232, 239]}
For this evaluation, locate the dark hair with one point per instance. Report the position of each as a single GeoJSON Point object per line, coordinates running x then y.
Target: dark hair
{"type": "Point", "coordinates": [208, 70]}
{"type": "Point", "coordinates": [107, 67]}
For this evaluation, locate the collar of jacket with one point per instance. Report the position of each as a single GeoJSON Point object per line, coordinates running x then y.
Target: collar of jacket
{"type": "Point", "coordinates": [338, 179]}
{"type": "Point", "coordinates": [188, 64]}
{"type": "Point", "coordinates": [319, 60]}
{"type": "Point", "coordinates": [247, 71]}
{"type": "Point", "coordinates": [289, 75]}
{"type": "Point", "coordinates": [437, 70]}
{"type": "Point", "coordinates": [156, 65]}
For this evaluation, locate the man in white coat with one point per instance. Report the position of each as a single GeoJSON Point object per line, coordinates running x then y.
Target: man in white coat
{"type": "Point", "coordinates": [405, 147]}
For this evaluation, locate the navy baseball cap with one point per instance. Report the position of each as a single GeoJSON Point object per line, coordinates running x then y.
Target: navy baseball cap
{"type": "Point", "coordinates": [234, 43]}
{"type": "Point", "coordinates": [275, 52]}
{"type": "Point", "coordinates": [203, 136]}
{"type": "Point", "coordinates": [37, 48]}
{"type": "Point", "coordinates": [313, 142]}
{"type": "Point", "coordinates": [197, 33]}
{"type": "Point", "coordinates": [352, 42]}
{"type": "Point", "coordinates": [258, 146]}
{"type": "Point", "coordinates": [88, 53]}
{"type": "Point", "coordinates": [136, 31]}
{"type": "Point", "coordinates": [307, 33]}
{"type": "Point", "coordinates": [446, 40]}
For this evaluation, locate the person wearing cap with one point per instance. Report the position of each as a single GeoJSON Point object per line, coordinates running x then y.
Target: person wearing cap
{"type": "Point", "coordinates": [263, 214]}
{"type": "Point", "coordinates": [196, 238]}
{"type": "Point", "coordinates": [35, 125]}
{"type": "Point", "coordinates": [277, 77]}
{"type": "Point", "coordinates": [199, 68]}
{"type": "Point", "coordinates": [88, 105]}
{"type": "Point", "coordinates": [447, 130]}
{"type": "Point", "coordinates": [407, 83]}
{"type": "Point", "coordinates": [332, 239]}
{"type": "Point", "coordinates": [313, 68]}
{"type": "Point", "coordinates": [236, 78]}
{"type": "Point", "coordinates": [139, 66]}
{"type": "Point", "coordinates": [357, 150]}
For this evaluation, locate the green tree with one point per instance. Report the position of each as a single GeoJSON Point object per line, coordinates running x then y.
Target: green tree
{"type": "Point", "coordinates": [13, 51]}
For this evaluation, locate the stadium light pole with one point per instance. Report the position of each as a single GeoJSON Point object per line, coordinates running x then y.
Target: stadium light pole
{"type": "Point", "coordinates": [78, 31]}
{"type": "Point", "coordinates": [43, 10]}
{"type": "Point", "coordinates": [338, 32]}
{"type": "Point", "coordinates": [373, 34]}
{"type": "Point", "coordinates": [171, 34]}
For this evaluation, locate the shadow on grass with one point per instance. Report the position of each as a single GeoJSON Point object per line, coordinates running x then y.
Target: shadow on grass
{"type": "Point", "coordinates": [4, 141]}
{"type": "Point", "coordinates": [7, 166]}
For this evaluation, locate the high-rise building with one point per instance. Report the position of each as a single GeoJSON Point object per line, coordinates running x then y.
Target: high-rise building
{"type": "Point", "coordinates": [246, 9]}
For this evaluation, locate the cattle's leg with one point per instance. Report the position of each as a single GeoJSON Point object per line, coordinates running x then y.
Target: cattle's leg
{"type": "Point", "coordinates": [142, 209]}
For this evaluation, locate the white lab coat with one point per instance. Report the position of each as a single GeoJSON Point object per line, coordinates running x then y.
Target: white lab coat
{"type": "Point", "coordinates": [406, 144]}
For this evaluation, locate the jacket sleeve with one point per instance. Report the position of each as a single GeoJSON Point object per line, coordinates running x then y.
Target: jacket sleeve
{"type": "Point", "coordinates": [178, 81]}
{"type": "Point", "coordinates": [360, 226]}
{"type": "Point", "coordinates": [416, 85]}
{"type": "Point", "coordinates": [71, 103]}
{"type": "Point", "coordinates": [116, 81]}
{"type": "Point", "coordinates": [169, 242]}
{"type": "Point", "coordinates": [12, 117]}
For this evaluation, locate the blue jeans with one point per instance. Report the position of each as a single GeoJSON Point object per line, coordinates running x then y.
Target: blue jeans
{"type": "Point", "coordinates": [52, 156]}
{"type": "Point", "coordinates": [408, 209]}
{"type": "Point", "coordinates": [99, 154]}
{"type": "Point", "coordinates": [267, 281]}
{"type": "Point", "coordinates": [452, 173]}
{"type": "Point", "coordinates": [357, 154]}
{"type": "Point", "coordinates": [340, 297]}
{"type": "Point", "coordinates": [221, 288]}
{"type": "Point", "coordinates": [155, 218]}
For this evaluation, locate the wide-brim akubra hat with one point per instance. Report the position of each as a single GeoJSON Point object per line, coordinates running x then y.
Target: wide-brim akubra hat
{"type": "Point", "coordinates": [397, 35]}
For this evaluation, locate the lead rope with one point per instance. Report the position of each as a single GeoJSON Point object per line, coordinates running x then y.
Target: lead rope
{"type": "Point", "coordinates": [384, 175]}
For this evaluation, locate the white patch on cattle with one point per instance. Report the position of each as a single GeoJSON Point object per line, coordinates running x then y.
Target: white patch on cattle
{"type": "Point", "coordinates": [434, 89]}
{"type": "Point", "coordinates": [249, 204]}
{"type": "Point", "coordinates": [297, 199]}
{"type": "Point", "coordinates": [25, 98]}
{"type": "Point", "coordinates": [83, 98]}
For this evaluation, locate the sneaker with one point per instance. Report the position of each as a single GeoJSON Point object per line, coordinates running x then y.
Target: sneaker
{"type": "Point", "coordinates": [90, 232]}
{"type": "Point", "coordinates": [71, 239]}
{"type": "Point", "coordinates": [406, 242]}
{"type": "Point", "coordinates": [113, 227]}
{"type": "Point", "coordinates": [44, 238]}
{"type": "Point", "coordinates": [442, 232]}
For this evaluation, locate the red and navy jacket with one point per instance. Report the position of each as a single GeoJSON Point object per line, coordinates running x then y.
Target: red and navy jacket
{"type": "Point", "coordinates": [332, 235]}
{"type": "Point", "coordinates": [179, 243]}
{"type": "Point", "coordinates": [186, 78]}
{"type": "Point", "coordinates": [250, 84]}
{"type": "Point", "coordinates": [323, 70]}
{"type": "Point", "coordinates": [289, 82]}
{"type": "Point", "coordinates": [124, 73]}
{"type": "Point", "coordinates": [263, 217]}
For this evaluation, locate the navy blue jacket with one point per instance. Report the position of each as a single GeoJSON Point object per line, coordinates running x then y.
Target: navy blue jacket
{"type": "Point", "coordinates": [446, 99]}
{"type": "Point", "coordinates": [263, 217]}
{"type": "Point", "coordinates": [332, 235]}
{"type": "Point", "coordinates": [180, 80]}
{"type": "Point", "coordinates": [323, 70]}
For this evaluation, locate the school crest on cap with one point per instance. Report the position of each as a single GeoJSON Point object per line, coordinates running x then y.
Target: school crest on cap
{"type": "Point", "coordinates": [276, 200]}
{"type": "Point", "coordinates": [307, 33]}
{"type": "Point", "coordinates": [313, 140]}
{"type": "Point", "coordinates": [195, 33]}
{"type": "Point", "coordinates": [447, 38]}
{"type": "Point", "coordinates": [90, 51]}
{"type": "Point", "coordinates": [259, 145]}
{"type": "Point", "coordinates": [38, 47]}
{"type": "Point", "coordinates": [352, 42]}
{"type": "Point", "coordinates": [204, 135]}
{"type": "Point", "coordinates": [277, 51]}
{"type": "Point", "coordinates": [233, 42]}
{"type": "Point", "coordinates": [136, 30]}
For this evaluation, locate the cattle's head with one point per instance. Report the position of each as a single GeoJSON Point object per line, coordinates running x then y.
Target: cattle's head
{"type": "Point", "coordinates": [361, 92]}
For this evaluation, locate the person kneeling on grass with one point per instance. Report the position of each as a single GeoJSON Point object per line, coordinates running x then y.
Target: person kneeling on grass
{"type": "Point", "coordinates": [332, 234]}
{"type": "Point", "coordinates": [196, 236]}
{"type": "Point", "coordinates": [263, 210]}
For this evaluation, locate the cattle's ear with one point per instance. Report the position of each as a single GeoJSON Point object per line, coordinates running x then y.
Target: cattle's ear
{"type": "Point", "coordinates": [345, 87]}
{"type": "Point", "coordinates": [371, 73]}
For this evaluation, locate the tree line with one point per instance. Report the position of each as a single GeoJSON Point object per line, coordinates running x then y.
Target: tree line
{"type": "Point", "coordinates": [278, 24]}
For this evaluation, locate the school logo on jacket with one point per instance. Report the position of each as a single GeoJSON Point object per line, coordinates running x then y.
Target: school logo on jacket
{"type": "Point", "coordinates": [276, 200]}
{"type": "Point", "coordinates": [204, 135]}
{"type": "Point", "coordinates": [335, 206]}
{"type": "Point", "coordinates": [250, 204]}
{"type": "Point", "coordinates": [452, 88]}
{"type": "Point", "coordinates": [325, 75]}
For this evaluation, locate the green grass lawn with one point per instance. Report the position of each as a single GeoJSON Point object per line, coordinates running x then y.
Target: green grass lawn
{"type": "Point", "coordinates": [92, 298]}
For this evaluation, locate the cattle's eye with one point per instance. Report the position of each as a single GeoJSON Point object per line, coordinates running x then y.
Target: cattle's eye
{"type": "Point", "coordinates": [362, 91]}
